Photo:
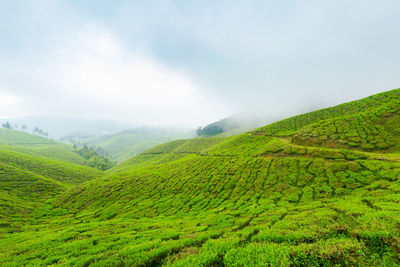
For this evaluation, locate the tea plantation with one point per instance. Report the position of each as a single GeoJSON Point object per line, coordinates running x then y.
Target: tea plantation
{"type": "Point", "coordinates": [318, 189]}
{"type": "Point", "coordinates": [38, 146]}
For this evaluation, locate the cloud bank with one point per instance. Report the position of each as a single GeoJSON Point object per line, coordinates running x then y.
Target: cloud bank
{"type": "Point", "coordinates": [182, 63]}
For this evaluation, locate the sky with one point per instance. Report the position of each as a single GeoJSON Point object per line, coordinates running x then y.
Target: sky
{"type": "Point", "coordinates": [192, 62]}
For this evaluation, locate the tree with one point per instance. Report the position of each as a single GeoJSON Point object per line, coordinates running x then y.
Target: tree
{"type": "Point", "coordinates": [39, 131]}
{"type": "Point", "coordinates": [218, 127]}
{"type": "Point", "coordinates": [210, 130]}
{"type": "Point", "coordinates": [199, 131]}
{"type": "Point", "coordinates": [94, 159]}
{"type": "Point", "coordinates": [7, 125]}
{"type": "Point", "coordinates": [23, 127]}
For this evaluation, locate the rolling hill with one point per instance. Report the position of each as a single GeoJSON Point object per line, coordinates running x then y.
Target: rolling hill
{"type": "Point", "coordinates": [26, 182]}
{"type": "Point", "coordinates": [318, 189]}
{"type": "Point", "coordinates": [34, 169]}
{"type": "Point", "coordinates": [36, 145]}
{"type": "Point", "coordinates": [125, 144]}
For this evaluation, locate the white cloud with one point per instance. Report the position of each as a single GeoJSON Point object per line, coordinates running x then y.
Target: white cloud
{"type": "Point", "coordinates": [82, 60]}
{"type": "Point", "coordinates": [94, 76]}
{"type": "Point", "coordinates": [10, 105]}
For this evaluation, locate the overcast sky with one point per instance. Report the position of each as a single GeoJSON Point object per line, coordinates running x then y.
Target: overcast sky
{"type": "Point", "coordinates": [192, 62]}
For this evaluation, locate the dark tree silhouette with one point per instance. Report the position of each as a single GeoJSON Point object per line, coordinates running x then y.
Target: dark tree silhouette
{"type": "Point", "coordinates": [7, 125]}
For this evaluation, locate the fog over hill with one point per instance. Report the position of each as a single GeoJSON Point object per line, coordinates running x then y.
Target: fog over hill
{"type": "Point", "coordinates": [190, 64]}
{"type": "Point", "coordinates": [59, 127]}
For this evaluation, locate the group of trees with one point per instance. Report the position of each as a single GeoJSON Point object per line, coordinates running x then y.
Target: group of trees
{"type": "Point", "coordinates": [8, 125]}
{"type": "Point", "coordinates": [94, 158]}
{"type": "Point", "coordinates": [39, 131]}
{"type": "Point", "coordinates": [217, 127]}
{"type": "Point", "coordinates": [209, 130]}
{"type": "Point", "coordinates": [36, 130]}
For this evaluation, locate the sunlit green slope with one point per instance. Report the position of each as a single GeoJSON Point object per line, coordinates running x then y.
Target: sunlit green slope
{"type": "Point", "coordinates": [65, 172]}
{"type": "Point", "coordinates": [15, 137]}
{"type": "Point", "coordinates": [295, 193]}
{"type": "Point", "coordinates": [27, 181]}
{"type": "Point", "coordinates": [290, 125]}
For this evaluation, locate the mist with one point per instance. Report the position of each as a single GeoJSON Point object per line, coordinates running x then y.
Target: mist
{"type": "Point", "coordinates": [185, 64]}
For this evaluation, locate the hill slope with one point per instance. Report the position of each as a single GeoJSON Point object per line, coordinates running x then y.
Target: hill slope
{"type": "Point", "coordinates": [36, 145]}
{"type": "Point", "coordinates": [15, 137]}
{"type": "Point", "coordinates": [283, 195]}
{"type": "Point", "coordinates": [27, 181]}
{"type": "Point", "coordinates": [290, 125]}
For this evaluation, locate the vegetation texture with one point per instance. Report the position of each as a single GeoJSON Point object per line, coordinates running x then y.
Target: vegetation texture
{"type": "Point", "coordinates": [318, 189]}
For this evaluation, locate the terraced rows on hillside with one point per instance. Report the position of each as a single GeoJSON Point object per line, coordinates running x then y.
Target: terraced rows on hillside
{"type": "Point", "coordinates": [181, 183]}
{"type": "Point", "coordinates": [291, 125]}
{"type": "Point", "coordinates": [376, 130]}
{"type": "Point", "coordinates": [26, 181]}
{"type": "Point", "coordinates": [300, 192]}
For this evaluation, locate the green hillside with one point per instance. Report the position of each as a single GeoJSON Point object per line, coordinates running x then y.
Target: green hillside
{"type": "Point", "coordinates": [318, 189]}
{"type": "Point", "coordinates": [15, 137]}
{"type": "Point", "coordinates": [290, 125]}
{"type": "Point", "coordinates": [27, 181]}
{"type": "Point", "coordinates": [62, 171]}
{"type": "Point", "coordinates": [36, 145]}
{"type": "Point", "coordinates": [33, 145]}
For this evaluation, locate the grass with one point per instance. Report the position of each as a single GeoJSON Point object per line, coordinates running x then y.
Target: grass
{"type": "Point", "coordinates": [282, 195]}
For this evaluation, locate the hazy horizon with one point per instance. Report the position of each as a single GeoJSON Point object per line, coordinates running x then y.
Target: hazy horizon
{"type": "Point", "coordinates": [176, 63]}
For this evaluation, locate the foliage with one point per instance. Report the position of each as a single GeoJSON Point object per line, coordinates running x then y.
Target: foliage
{"type": "Point", "coordinates": [94, 159]}
{"type": "Point", "coordinates": [39, 131]}
{"type": "Point", "coordinates": [7, 125]}
{"type": "Point", "coordinates": [217, 127]}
